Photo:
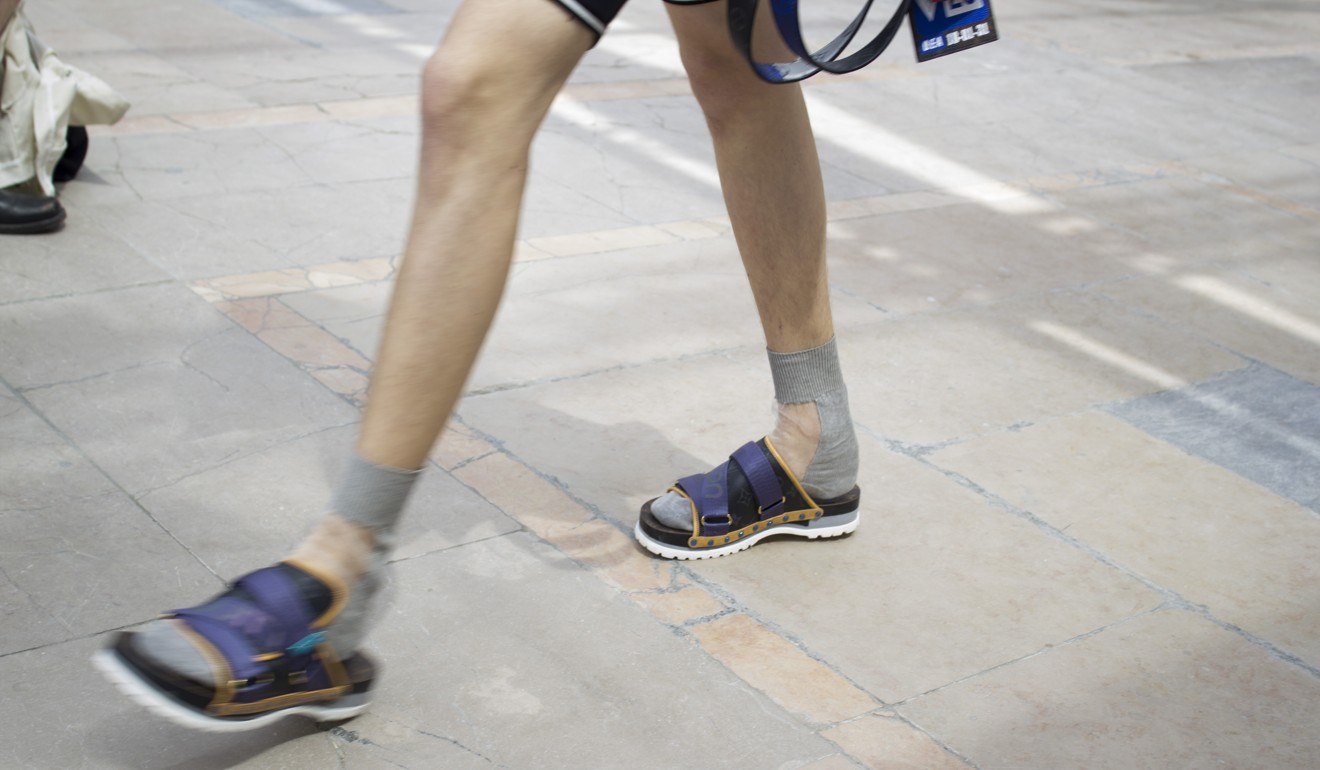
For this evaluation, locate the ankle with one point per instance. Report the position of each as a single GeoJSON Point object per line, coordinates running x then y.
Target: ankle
{"type": "Point", "coordinates": [338, 546]}
{"type": "Point", "coordinates": [796, 434]}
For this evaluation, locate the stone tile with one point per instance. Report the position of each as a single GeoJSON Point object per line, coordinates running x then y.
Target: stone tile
{"type": "Point", "coordinates": [75, 338]}
{"type": "Point", "coordinates": [1257, 422]}
{"type": "Point", "coordinates": [1166, 690]}
{"type": "Point", "coordinates": [292, 280]}
{"type": "Point", "coordinates": [65, 529]}
{"type": "Point", "coordinates": [205, 163]}
{"type": "Point", "coordinates": [63, 30]}
{"type": "Point", "coordinates": [79, 259]}
{"type": "Point", "coordinates": [1164, 36]}
{"type": "Point", "coordinates": [1215, 538]}
{"type": "Point", "coordinates": [459, 445]}
{"type": "Point", "coordinates": [1285, 173]}
{"type": "Point", "coordinates": [250, 512]}
{"type": "Point", "coordinates": [572, 316]}
{"type": "Point", "coordinates": [549, 512]}
{"type": "Point", "coordinates": [1193, 221]}
{"type": "Point", "coordinates": [946, 152]}
{"type": "Point", "coordinates": [885, 743]}
{"type": "Point", "coordinates": [1293, 275]}
{"type": "Point", "coordinates": [252, 9]}
{"type": "Point", "coordinates": [835, 762]}
{"type": "Point", "coordinates": [223, 397]}
{"type": "Point", "coordinates": [604, 240]}
{"type": "Point", "coordinates": [677, 607]}
{"type": "Point", "coordinates": [619, 438]}
{"type": "Point", "coordinates": [929, 379]}
{"type": "Point", "coordinates": [411, 34]}
{"type": "Point", "coordinates": [61, 714]}
{"type": "Point", "coordinates": [154, 86]}
{"type": "Point", "coordinates": [379, 107]}
{"type": "Point", "coordinates": [394, 745]}
{"type": "Point", "coordinates": [183, 25]}
{"type": "Point", "coordinates": [943, 598]}
{"type": "Point", "coordinates": [613, 556]}
{"type": "Point", "coordinates": [279, 115]}
{"type": "Point", "coordinates": [517, 491]}
{"type": "Point", "coordinates": [195, 237]}
{"type": "Point", "coordinates": [978, 257]}
{"type": "Point", "coordinates": [354, 314]}
{"type": "Point", "coordinates": [789, 676]}
{"type": "Point", "coordinates": [1308, 152]}
{"type": "Point", "coordinates": [304, 76]}
{"type": "Point", "coordinates": [291, 335]}
{"type": "Point", "coordinates": [1253, 84]}
{"type": "Point", "coordinates": [1130, 120]}
{"type": "Point", "coordinates": [347, 381]}
{"type": "Point", "coordinates": [334, 152]}
{"type": "Point", "coordinates": [560, 672]}
{"type": "Point", "coordinates": [1280, 327]}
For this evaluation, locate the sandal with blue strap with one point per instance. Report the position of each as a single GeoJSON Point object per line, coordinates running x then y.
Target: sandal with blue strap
{"type": "Point", "coordinates": [265, 641]}
{"type": "Point", "coordinates": [742, 502]}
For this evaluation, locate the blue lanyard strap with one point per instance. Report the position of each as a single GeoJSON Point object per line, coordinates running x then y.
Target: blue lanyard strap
{"type": "Point", "coordinates": [742, 14]}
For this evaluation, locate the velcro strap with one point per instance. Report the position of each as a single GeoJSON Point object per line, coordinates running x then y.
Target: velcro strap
{"type": "Point", "coordinates": [276, 593]}
{"type": "Point", "coordinates": [272, 616]}
{"type": "Point", "coordinates": [761, 474]}
{"type": "Point", "coordinates": [714, 505]}
{"type": "Point", "coordinates": [235, 629]}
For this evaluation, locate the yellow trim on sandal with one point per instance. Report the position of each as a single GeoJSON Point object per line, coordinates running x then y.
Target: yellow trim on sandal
{"type": "Point", "coordinates": [225, 685]}
{"type": "Point", "coordinates": [802, 515]}
{"type": "Point", "coordinates": [338, 591]}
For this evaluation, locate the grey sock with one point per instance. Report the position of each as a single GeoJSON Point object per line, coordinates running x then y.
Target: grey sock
{"type": "Point", "coordinates": [369, 495]}
{"type": "Point", "coordinates": [811, 375]}
{"type": "Point", "coordinates": [814, 376]}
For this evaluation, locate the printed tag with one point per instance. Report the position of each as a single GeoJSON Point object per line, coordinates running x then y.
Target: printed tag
{"type": "Point", "coordinates": [942, 27]}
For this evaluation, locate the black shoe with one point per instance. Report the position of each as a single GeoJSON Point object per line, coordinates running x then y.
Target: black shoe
{"type": "Point", "coordinates": [75, 151]}
{"type": "Point", "coordinates": [27, 214]}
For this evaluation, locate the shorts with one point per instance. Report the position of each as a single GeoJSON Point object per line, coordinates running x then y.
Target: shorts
{"type": "Point", "coordinates": [597, 14]}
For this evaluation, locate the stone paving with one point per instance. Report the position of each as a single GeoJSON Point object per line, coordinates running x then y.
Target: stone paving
{"type": "Point", "coordinates": [1077, 287]}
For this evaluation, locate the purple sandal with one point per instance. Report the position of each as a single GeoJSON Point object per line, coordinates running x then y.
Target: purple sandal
{"type": "Point", "coordinates": [265, 642]}
{"type": "Point", "coordinates": [745, 500]}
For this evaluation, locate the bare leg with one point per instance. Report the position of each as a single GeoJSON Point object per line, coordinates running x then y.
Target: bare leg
{"type": "Point", "coordinates": [770, 175]}
{"type": "Point", "coordinates": [481, 108]}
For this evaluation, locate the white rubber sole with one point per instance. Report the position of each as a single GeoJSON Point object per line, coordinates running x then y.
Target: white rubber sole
{"type": "Point", "coordinates": [161, 704]}
{"type": "Point", "coordinates": [812, 531]}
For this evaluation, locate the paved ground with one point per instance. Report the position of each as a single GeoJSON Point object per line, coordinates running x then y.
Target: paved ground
{"type": "Point", "coordinates": [1076, 275]}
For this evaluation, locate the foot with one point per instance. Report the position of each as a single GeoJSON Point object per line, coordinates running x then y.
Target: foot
{"type": "Point", "coordinates": [22, 214]}
{"type": "Point", "coordinates": [260, 651]}
{"type": "Point", "coordinates": [751, 497]}
{"type": "Point", "coordinates": [821, 453]}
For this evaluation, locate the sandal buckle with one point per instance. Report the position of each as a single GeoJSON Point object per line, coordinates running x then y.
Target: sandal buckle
{"type": "Point", "coordinates": [773, 509]}
{"type": "Point", "coordinates": [717, 525]}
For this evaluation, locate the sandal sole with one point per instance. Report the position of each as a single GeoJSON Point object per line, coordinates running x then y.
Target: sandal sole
{"type": "Point", "coordinates": [161, 704]}
{"type": "Point", "coordinates": [820, 528]}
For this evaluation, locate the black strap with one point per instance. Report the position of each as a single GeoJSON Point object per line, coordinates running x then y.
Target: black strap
{"type": "Point", "coordinates": [742, 15]}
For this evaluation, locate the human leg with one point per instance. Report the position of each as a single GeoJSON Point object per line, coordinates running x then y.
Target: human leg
{"type": "Point", "coordinates": [305, 618]}
{"type": "Point", "coordinates": [770, 175]}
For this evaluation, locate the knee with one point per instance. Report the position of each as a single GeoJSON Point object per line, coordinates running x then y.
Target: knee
{"type": "Point", "coordinates": [453, 101]}
{"type": "Point", "coordinates": [725, 86]}
{"type": "Point", "coordinates": [475, 113]}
